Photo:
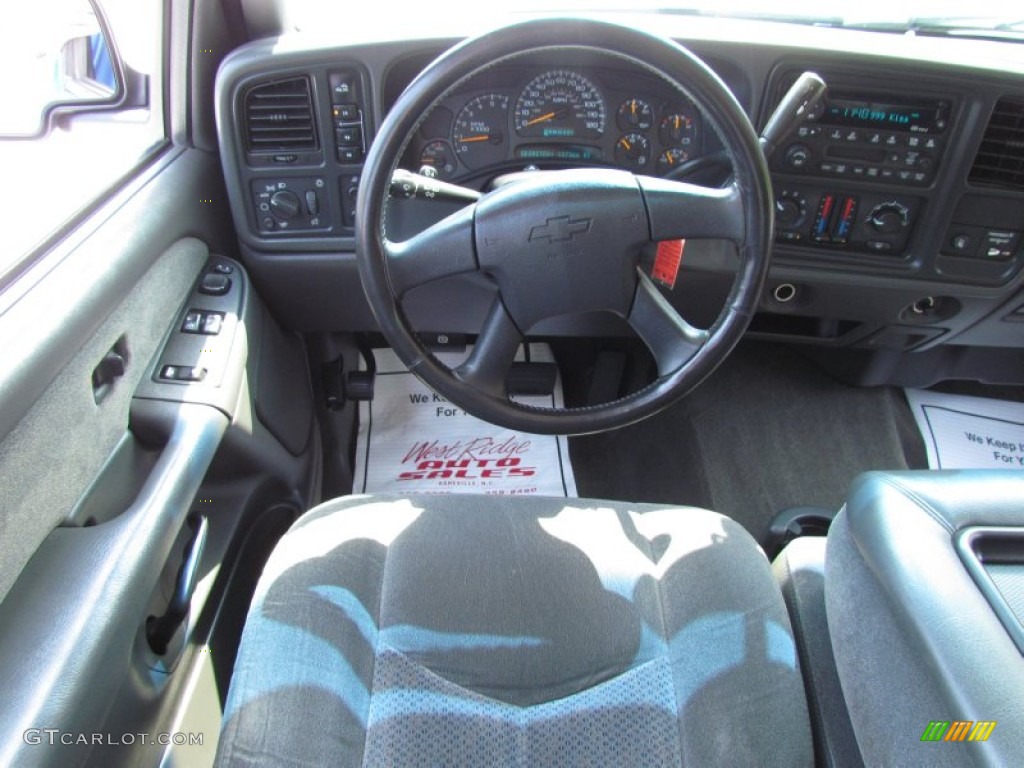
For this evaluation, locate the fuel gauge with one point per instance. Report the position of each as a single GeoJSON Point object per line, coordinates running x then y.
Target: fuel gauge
{"type": "Point", "coordinates": [439, 156]}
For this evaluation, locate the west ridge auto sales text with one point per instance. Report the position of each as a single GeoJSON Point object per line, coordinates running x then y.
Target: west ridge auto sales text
{"type": "Point", "coordinates": [469, 469]}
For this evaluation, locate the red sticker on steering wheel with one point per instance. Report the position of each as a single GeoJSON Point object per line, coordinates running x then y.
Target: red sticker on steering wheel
{"type": "Point", "coordinates": [667, 262]}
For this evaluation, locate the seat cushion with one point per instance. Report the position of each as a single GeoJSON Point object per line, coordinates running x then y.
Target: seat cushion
{"type": "Point", "coordinates": [462, 630]}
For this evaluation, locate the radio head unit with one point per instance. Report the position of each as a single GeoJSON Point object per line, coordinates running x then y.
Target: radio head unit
{"type": "Point", "coordinates": [920, 117]}
{"type": "Point", "coordinates": [874, 138]}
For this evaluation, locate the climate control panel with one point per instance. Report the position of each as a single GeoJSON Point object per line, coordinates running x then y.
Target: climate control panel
{"type": "Point", "coordinates": [850, 221]}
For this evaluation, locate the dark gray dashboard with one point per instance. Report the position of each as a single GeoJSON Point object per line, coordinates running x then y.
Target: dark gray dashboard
{"type": "Point", "coordinates": [900, 205]}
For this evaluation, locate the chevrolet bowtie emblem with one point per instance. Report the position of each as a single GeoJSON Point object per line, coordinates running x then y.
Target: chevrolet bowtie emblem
{"type": "Point", "coordinates": [560, 229]}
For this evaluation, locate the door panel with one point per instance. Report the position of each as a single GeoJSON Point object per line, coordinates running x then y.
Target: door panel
{"type": "Point", "coordinates": [73, 598]}
{"type": "Point", "coordinates": [125, 280]}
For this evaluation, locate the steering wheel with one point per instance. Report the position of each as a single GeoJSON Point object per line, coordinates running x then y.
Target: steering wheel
{"type": "Point", "coordinates": [567, 241]}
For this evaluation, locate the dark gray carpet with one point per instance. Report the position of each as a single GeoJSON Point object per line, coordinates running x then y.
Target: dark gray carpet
{"type": "Point", "coordinates": [768, 431]}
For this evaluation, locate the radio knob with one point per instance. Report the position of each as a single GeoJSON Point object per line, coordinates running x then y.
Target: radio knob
{"type": "Point", "coordinates": [798, 156]}
{"type": "Point", "coordinates": [888, 218]}
{"type": "Point", "coordinates": [285, 204]}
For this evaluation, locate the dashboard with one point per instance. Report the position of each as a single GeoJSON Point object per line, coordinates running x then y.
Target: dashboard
{"type": "Point", "coordinates": [899, 202]}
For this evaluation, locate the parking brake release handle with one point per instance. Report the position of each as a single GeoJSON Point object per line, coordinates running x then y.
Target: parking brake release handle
{"type": "Point", "coordinates": [160, 629]}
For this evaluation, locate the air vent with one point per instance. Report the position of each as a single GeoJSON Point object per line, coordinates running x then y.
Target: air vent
{"type": "Point", "coordinates": [1000, 159]}
{"type": "Point", "coordinates": [279, 116]}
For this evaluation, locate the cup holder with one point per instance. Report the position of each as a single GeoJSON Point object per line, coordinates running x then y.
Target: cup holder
{"type": "Point", "coordinates": [796, 522]}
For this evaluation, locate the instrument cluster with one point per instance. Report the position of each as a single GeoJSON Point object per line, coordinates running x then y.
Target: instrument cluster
{"type": "Point", "coordinates": [558, 117]}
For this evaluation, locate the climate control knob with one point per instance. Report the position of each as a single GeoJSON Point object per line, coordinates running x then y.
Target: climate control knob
{"type": "Point", "coordinates": [285, 204]}
{"type": "Point", "coordinates": [790, 210]}
{"type": "Point", "coordinates": [888, 218]}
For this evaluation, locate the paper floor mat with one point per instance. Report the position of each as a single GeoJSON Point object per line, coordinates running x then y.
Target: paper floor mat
{"type": "Point", "coordinates": [963, 432]}
{"type": "Point", "coordinates": [412, 440]}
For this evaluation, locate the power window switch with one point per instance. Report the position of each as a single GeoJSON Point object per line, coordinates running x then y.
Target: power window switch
{"type": "Point", "coordinates": [212, 323]}
{"type": "Point", "coordinates": [193, 322]}
{"type": "Point", "coordinates": [182, 373]}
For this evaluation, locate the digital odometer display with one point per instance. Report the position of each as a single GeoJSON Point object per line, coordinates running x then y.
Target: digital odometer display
{"type": "Point", "coordinates": [873, 114]}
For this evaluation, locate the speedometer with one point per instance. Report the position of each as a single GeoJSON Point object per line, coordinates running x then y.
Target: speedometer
{"type": "Point", "coordinates": [560, 104]}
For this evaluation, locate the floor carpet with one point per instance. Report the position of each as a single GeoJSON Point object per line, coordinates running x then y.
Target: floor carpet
{"type": "Point", "coordinates": [766, 432]}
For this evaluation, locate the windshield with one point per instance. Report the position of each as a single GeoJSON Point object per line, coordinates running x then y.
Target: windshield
{"type": "Point", "coordinates": [912, 16]}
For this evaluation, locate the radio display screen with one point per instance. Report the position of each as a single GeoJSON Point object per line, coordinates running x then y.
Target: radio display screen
{"type": "Point", "coordinates": [877, 114]}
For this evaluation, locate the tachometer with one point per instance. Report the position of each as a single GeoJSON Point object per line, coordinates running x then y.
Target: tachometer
{"type": "Point", "coordinates": [479, 132]}
{"type": "Point", "coordinates": [560, 104]}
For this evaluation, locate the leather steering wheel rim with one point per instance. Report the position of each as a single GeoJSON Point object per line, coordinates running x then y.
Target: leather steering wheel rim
{"type": "Point", "coordinates": [742, 213]}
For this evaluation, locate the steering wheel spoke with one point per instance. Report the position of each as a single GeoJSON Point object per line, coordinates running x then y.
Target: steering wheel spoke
{"type": "Point", "coordinates": [488, 364]}
{"type": "Point", "coordinates": [442, 250]}
{"type": "Point", "coordinates": [678, 210]}
{"type": "Point", "coordinates": [671, 339]}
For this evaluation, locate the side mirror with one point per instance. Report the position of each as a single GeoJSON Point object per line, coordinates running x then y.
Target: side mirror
{"type": "Point", "coordinates": [63, 61]}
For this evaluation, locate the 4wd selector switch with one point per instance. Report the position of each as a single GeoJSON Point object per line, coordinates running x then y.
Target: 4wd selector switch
{"type": "Point", "coordinates": [285, 204]}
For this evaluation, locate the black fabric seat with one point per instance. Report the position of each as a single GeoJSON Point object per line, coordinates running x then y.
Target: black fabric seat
{"type": "Point", "coordinates": [461, 630]}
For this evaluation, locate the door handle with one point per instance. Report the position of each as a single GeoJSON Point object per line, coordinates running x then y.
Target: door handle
{"type": "Point", "coordinates": [110, 369]}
